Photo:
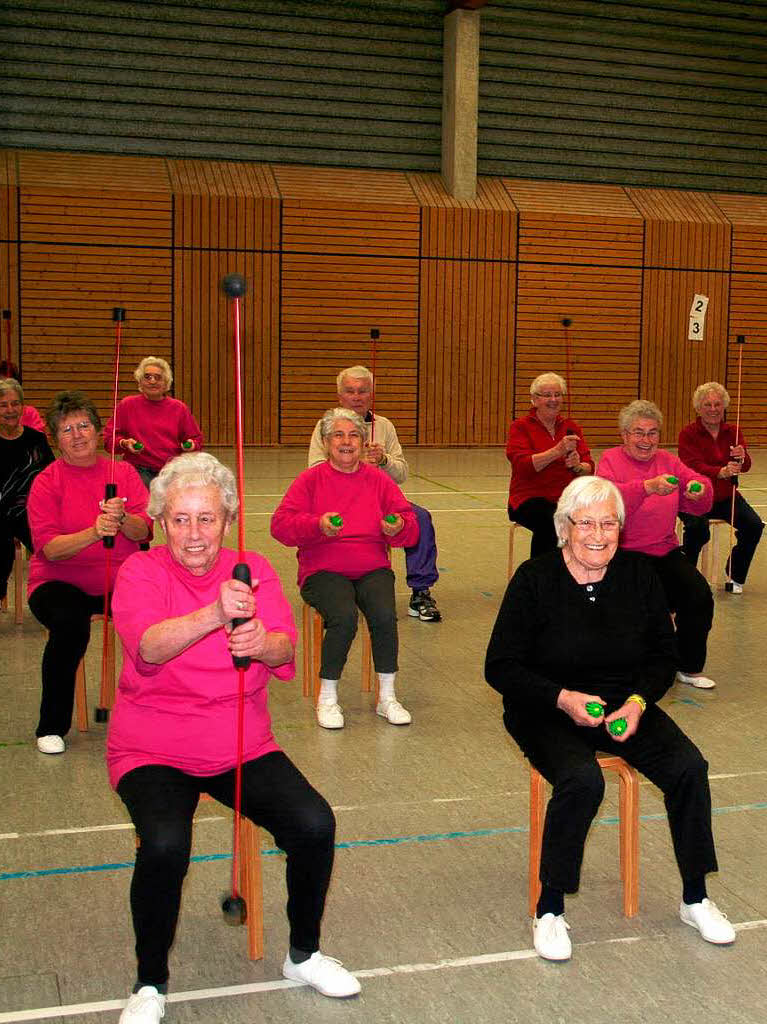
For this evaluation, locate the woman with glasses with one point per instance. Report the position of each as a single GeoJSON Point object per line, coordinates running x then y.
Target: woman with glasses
{"type": "Point", "coordinates": [69, 519]}
{"type": "Point", "coordinates": [583, 642]}
{"type": "Point", "coordinates": [546, 451]}
{"type": "Point", "coordinates": [657, 487]}
{"type": "Point", "coordinates": [152, 428]}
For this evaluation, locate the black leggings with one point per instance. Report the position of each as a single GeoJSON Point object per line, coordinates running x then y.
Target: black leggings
{"type": "Point", "coordinates": [17, 528]}
{"type": "Point", "coordinates": [537, 515]}
{"type": "Point", "coordinates": [162, 801]}
{"type": "Point", "coordinates": [65, 611]}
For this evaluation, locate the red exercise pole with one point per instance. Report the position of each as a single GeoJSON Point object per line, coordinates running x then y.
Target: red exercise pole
{"type": "Point", "coordinates": [728, 586]}
{"type": "Point", "coordinates": [110, 491]}
{"type": "Point", "coordinates": [234, 907]}
{"type": "Point", "coordinates": [7, 326]}
{"type": "Point", "coordinates": [566, 322]}
{"type": "Point", "coordinates": [375, 334]}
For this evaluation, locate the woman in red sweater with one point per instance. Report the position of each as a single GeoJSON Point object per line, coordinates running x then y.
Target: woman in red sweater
{"type": "Point", "coordinates": [343, 515]}
{"type": "Point", "coordinates": [711, 447]}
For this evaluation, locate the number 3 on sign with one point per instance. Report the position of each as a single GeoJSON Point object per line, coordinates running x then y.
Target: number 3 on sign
{"type": "Point", "coordinates": [697, 318]}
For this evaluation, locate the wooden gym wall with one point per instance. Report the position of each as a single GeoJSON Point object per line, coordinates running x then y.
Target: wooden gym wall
{"type": "Point", "coordinates": [469, 297]}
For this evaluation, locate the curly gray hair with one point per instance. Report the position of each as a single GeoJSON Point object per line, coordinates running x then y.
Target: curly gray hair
{"type": "Point", "coordinates": [330, 417]}
{"type": "Point", "coordinates": [167, 373]}
{"type": "Point", "coordinates": [10, 384]}
{"type": "Point", "coordinates": [640, 409]}
{"type": "Point", "coordinates": [194, 469]}
{"type": "Point", "coordinates": [703, 390]}
{"type": "Point", "coordinates": [544, 380]}
{"type": "Point", "coordinates": [580, 494]}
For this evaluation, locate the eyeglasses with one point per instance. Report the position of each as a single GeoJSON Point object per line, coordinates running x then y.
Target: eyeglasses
{"type": "Point", "coordinates": [640, 435]}
{"type": "Point", "coordinates": [82, 427]}
{"type": "Point", "coordinates": [592, 525]}
{"type": "Point", "coordinates": [152, 377]}
{"type": "Point", "coordinates": [548, 394]}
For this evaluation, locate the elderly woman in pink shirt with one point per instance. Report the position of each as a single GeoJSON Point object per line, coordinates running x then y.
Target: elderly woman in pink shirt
{"type": "Point", "coordinates": [656, 487]}
{"type": "Point", "coordinates": [69, 519]}
{"type": "Point", "coordinates": [343, 515]}
{"type": "Point", "coordinates": [173, 733]}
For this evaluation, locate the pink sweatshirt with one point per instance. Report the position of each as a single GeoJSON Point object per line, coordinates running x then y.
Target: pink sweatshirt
{"type": "Point", "coordinates": [184, 713]}
{"type": "Point", "coordinates": [651, 518]}
{"type": "Point", "coordinates": [30, 417]}
{"type": "Point", "coordinates": [362, 499]}
{"type": "Point", "coordinates": [65, 499]}
{"type": "Point", "coordinates": [161, 427]}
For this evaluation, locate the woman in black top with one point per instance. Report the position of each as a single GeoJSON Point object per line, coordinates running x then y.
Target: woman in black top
{"type": "Point", "coordinates": [23, 454]}
{"type": "Point", "coordinates": [589, 624]}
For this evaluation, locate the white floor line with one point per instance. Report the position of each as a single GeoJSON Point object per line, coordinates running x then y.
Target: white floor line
{"type": "Point", "coordinates": [255, 988]}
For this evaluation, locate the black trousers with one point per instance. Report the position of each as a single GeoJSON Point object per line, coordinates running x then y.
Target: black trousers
{"type": "Point", "coordinates": [16, 528]}
{"type": "Point", "coordinates": [748, 532]}
{"type": "Point", "coordinates": [688, 594]}
{"type": "Point", "coordinates": [537, 515]}
{"type": "Point", "coordinates": [564, 753]}
{"type": "Point", "coordinates": [275, 795]}
{"type": "Point", "coordinates": [65, 611]}
{"type": "Point", "coordinates": [336, 599]}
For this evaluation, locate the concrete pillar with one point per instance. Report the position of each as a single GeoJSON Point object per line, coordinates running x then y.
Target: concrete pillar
{"type": "Point", "coordinates": [460, 101]}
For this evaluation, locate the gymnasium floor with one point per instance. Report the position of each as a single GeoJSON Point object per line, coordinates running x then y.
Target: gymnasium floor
{"type": "Point", "coordinates": [428, 900]}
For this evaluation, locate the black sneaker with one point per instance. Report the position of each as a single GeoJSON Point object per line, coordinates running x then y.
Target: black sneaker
{"type": "Point", "coordinates": [423, 606]}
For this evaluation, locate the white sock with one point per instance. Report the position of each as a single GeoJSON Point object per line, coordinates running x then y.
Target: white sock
{"type": "Point", "coordinates": [386, 686]}
{"type": "Point", "coordinates": [328, 691]}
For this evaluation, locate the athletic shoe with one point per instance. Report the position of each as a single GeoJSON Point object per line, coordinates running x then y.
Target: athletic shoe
{"type": "Point", "coordinates": [393, 712]}
{"type": "Point", "coordinates": [423, 606]}
{"type": "Point", "coordinates": [330, 716]}
{"type": "Point", "coordinates": [550, 937]}
{"type": "Point", "coordinates": [709, 920]}
{"type": "Point", "coordinates": [51, 745]}
{"type": "Point", "coordinates": [147, 1006]}
{"type": "Point", "coordinates": [736, 588]}
{"type": "Point", "coordinates": [322, 972]}
{"type": "Point", "coordinates": [702, 682]}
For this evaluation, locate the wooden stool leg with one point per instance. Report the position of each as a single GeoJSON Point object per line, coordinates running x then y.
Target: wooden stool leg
{"type": "Point", "coordinates": [536, 838]}
{"type": "Point", "coordinates": [714, 569]}
{"type": "Point", "coordinates": [81, 698]}
{"type": "Point", "coordinates": [306, 643]}
{"type": "Point", "coordinates": [18, 585]}
{"type": "Point", "coordinates": [317, 629]}
{"type": "Point", "coordinates": [629, 789]}
{"type": "Point", "coordinates": [251, 886]}
{"type": "Point", "coordinates": [512, 531]}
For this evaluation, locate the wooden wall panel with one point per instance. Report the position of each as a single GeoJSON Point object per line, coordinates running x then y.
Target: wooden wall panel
{"type": "Point", "coordinates": [67, 296]}
{"type": "Point", "coordinates": [484, 228]}
{"type": "Point", "coordinates": [9, 294]}
{"type": "Point", "coordinates": [604, 305]}
{"type": "Point", "coordinates": [329, 306]}
{"type": "Point", "coordinates": [748, 316]}
{"type": "Point", "coordinates": [203, 346]}
{"type": "Point", "coordinates": [683, 230]}
{"type": "Point", "coordinates": [466, 353]}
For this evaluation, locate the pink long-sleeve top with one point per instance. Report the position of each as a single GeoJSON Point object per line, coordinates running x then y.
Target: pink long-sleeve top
{"type": "Point", "coordinates": [65, 499]}
{"type": "Point", "coordinates": [528, 437]}
{"type": "Point", "coordinates": [162, 427]}
{"type": "Point", "coordinates": [362, 499]}
{"type": "Point", "coordinates": [183, 713]}
{"type": "Point", "coordinates": [30, 417]}
{"type": "Point", "coordinates": [706, 454]}
{"type": "Point", "coordinates": [651, 518]}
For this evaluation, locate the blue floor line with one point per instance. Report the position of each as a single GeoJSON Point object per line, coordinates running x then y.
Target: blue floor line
{"type": "Point", "coordinates": [354, 844]}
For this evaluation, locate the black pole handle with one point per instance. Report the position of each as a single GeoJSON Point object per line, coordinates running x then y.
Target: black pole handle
{"type": "Point", "coordinates": [110, 491]}
{"type": "Point", "coordinates": [241, 572]}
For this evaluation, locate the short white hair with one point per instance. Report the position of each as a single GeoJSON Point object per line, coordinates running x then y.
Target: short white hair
{"type": "Point", "coordinates": [703, 390]}
{"type": "Point", "coordinates": [544, 380]}
{"type": "Point", "coordinates": [140, 370]}
{"type": "Point", "coordinates": [193, 469]}
{"type": "Point", "coordinates": [11, 384]}
{"type": "Point", "coordinates": [330, 417]}
{"type": "Point", "coordinates": [639, 409]}
{"type": "Point", "coordinates": [355, 373]}
{"type": "Point", "coordinates": [580, 494]}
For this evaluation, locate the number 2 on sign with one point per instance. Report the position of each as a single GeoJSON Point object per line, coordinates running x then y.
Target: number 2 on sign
{"type": "Point", "coordinates": [697, 321]}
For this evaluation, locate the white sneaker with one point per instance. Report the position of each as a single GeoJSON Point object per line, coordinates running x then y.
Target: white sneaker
{"type": "Point", "coordinates": [696, 679]}
{"type": "Point", "coordinates": [735, 588]}
{"type": "Point", "coordinates": [147, 1006]}
{"type": "Point", "coordinates": [330, 716]}
{"type": "Point", "coordinates": [550, 937]}
{"type": "Point", "coordinates": [322, 972]}
{"type": "Point", "coordinates": [393, 712]}
{"type": "Point", "coordinates": [709, 920]}
{"type": "Point", "coordinates": [51, 745]}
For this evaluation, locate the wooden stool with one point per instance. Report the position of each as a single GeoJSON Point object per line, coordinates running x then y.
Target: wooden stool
{"type": "Point", "coordinates": [710, 555]}
{"type": "Point", "coordinates": [107, 693]}
{"type": "Point", "coordinates": [18, 584]}
{"type": "Point", "coordinates": [251, 884]}
{"type": "Point", "coordinates": [513, 527]}
{"type": "Point", "coordinates": [628, 817]}
{"type": "Point", "coordinates": [311, 636]}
